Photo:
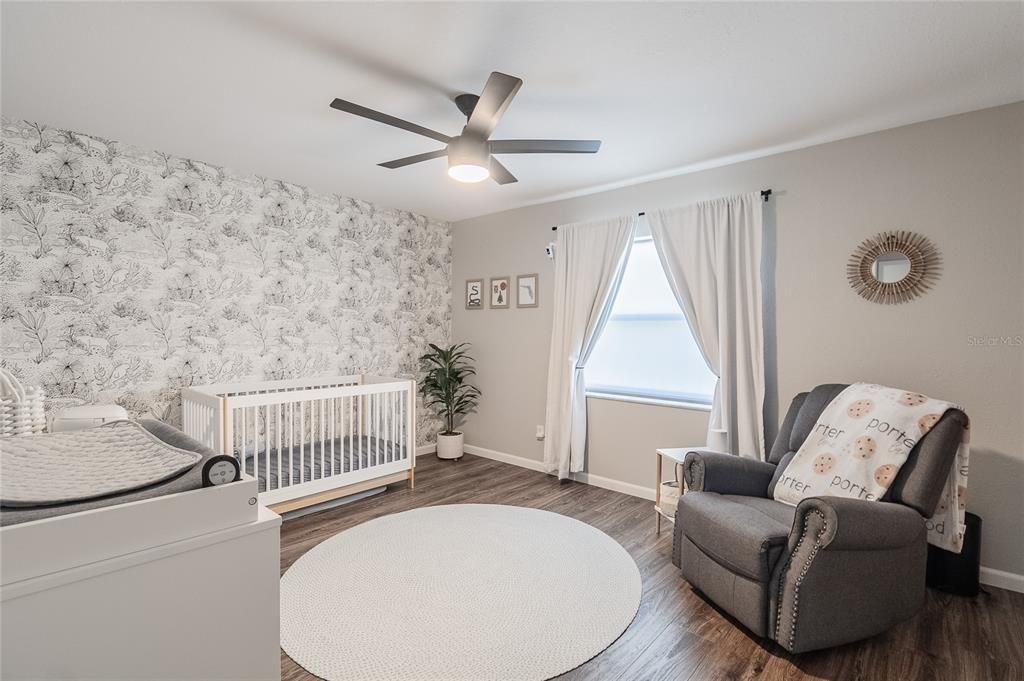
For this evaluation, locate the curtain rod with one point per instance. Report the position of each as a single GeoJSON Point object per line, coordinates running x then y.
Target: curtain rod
{"type": "Point", "coordinates": [765, 194]}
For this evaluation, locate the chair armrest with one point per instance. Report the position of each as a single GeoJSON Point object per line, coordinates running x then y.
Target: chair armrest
{"type": "Point", "coordinates": [706, 470]}
{"type": "Point", "coordinates": [851, 524]}
{"type": "Point", "coordinates": [854, 568]}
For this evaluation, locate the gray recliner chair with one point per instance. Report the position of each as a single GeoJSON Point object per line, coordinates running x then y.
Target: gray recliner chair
{"type": "Point", "coordinates": [829, 571]}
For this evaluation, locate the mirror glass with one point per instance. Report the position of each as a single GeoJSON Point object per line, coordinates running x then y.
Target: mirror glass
{"type": "Point", "coordinates": [890, 267]}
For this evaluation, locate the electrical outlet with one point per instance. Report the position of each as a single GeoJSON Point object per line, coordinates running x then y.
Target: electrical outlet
{"type": "Point", "coordinates": [540, 432]}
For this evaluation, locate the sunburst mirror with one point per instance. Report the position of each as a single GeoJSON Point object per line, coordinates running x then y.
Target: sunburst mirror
{"type": "Point", "coordinates": [893, 267]}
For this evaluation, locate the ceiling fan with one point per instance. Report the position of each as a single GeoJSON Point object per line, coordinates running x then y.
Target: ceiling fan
{"type": "Point", "coordinates": [470, 153]}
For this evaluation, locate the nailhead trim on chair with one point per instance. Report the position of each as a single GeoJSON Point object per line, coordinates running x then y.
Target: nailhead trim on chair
{"type": "Point", "coordinates": [799, 579]}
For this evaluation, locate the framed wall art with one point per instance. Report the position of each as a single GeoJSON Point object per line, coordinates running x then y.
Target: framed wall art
{"type": "Point", "coordinates": [526, 290]}
{"type": "Point", "coordinates": [474, 294]}
{"type": "Point", "coordinates": [500, 292]}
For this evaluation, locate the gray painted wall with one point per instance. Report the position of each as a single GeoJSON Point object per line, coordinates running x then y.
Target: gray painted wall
{"type": "Point", "coordinates": [958, 180]}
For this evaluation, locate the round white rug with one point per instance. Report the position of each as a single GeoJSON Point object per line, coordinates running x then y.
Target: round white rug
{"type": "Point", "coordinates": [461, 592]}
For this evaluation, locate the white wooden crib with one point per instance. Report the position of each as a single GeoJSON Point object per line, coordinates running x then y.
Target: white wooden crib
{"type": "Point", "coordinates": [309, 440]}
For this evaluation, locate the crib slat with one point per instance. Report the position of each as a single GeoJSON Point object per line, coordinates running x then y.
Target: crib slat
{"type": "Point", "coordinates": [277, 432]}
{"type": "Point", "coordinates": [307, 456]}
{"type": "Point", "coordinates": [256, 444]}
{"type": "Point", "coordinates": [302, 442]}
{"type": "Point", "coordinates": [266, 445]}
{"type": "Point", "coordinates": [242, 452]}
{"type": "Point", "coordinates": [316, 437]}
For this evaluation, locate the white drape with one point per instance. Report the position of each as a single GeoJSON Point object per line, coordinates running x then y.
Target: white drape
{"type": "Point", "coordinates": [711, 252]}
{"type": "Point", "coordinates": [589, 261]}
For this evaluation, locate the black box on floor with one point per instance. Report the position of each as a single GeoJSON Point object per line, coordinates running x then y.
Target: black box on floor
{"type": "Point", "coordinates": [957, 573]}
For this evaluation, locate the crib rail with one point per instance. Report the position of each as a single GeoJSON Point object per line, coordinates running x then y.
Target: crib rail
{"type": "Point", "coordinates": [201, 415]}
{"type": "Point", "coordinates": [306, 436]}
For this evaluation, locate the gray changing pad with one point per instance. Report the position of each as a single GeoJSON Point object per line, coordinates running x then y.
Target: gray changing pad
{"type": "Point", "coordinates": [76, 466]}
{"type": "Point", "coordinates": [189, 480]}
{"type": "Point", "coordinates": [66, 467]}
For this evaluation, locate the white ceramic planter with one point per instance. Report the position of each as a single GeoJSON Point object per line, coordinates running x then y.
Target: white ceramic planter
{"type": "Point", "coordinates": [450, 446]}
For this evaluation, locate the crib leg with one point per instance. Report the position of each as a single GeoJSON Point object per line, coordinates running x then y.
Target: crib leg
{"type": "Point", "coordinates": [412, 478]}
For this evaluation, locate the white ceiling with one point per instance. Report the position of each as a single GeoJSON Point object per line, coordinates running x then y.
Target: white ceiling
{"type": "Point", "coordinates": [666, 86]}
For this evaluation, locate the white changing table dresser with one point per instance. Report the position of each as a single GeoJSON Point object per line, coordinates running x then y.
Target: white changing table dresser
{"type": "Point", "coordinates": [183, 586]}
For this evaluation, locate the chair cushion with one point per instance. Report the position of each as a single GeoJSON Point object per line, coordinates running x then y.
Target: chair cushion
{"type": "Point", "coordinates": [746, 535]}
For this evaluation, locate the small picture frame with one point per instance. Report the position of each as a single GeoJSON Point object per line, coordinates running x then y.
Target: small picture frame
{"type": "Point", "coordinates": [474, 294]}
{"type": "Point", "coordinates": [526, 290]}
{"type": "Point", "coordinates": [500, 292]}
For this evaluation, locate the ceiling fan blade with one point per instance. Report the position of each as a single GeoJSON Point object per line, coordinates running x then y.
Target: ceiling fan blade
{"type": "Point", "coordinates": [409, 160]}
{"type": "Point", "coordinates": [497, 95]}
{"type": "Point", "coordinates": [349, 107]}
{"type": "Point", "coordinates": [545, 146]}
{"type": "Point", "coordinates": [500, 173]}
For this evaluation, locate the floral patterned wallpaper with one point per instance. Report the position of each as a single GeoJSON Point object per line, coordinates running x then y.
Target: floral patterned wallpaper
{"type": "Point", "coordinates": [127, 275]}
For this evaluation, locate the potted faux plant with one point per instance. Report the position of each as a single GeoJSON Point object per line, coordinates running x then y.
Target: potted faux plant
{"type": "Point", "coordinates": [444, 389]}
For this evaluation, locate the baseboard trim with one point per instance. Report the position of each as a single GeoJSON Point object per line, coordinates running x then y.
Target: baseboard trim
{"type": "Point", "coordinates": [1010, 581]}
{"type": "Point", "coordinates": [520, 461]}
{"type": "Point", "coordinates": [585, 478]}
{"type": "Point", "coordinates": [615, 485]}
{"type": "Point", "coordinates": [426, 449]}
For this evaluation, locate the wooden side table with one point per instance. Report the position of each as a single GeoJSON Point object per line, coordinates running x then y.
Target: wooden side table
{"type": "Point", "coordinates": [675, 455]}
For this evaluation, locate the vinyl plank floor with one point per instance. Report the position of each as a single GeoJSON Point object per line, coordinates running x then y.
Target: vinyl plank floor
{"type": "Point", "coordinates": [677, 634]}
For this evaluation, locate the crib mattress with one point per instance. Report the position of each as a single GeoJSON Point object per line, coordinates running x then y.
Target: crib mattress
{"type": "Point", "coordinates": [319, 459]}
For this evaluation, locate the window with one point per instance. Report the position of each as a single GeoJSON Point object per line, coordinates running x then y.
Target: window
{"type": "Point", "coordinates": [647, 349]}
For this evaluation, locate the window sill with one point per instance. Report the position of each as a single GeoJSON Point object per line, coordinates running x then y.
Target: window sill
{"type": "Point", "coordinates": [654, 401]}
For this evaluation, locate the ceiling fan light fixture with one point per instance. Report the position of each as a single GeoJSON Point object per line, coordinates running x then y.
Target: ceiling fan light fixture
{"type": "Point", "coordinates": [468, 172]}
{"type": "Point", "coordinates": [469, 159]}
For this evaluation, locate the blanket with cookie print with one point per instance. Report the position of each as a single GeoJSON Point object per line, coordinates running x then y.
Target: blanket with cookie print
{"type": "Point", "coordinates": [858, 445]}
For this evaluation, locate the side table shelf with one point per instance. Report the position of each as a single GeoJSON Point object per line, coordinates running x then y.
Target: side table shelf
{"type": "Point", "coordinates": [676, 456]}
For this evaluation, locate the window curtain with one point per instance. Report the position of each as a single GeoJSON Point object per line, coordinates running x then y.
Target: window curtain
{"type": "Point", "coordinates": [711, 252]}
{"type": "Point", "coordinates": [589, 261]}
